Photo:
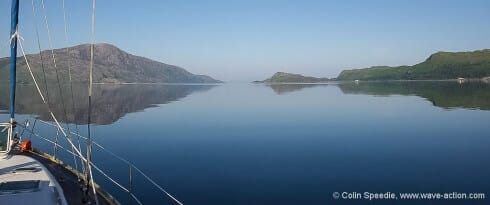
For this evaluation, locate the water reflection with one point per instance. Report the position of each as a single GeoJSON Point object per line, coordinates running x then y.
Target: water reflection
{"type": "Point", "coordinates": [445, 94]}
{"type": "Point", "coordinates": [470, 95]}
{"type": "Point", "coordinates": [286, 88]}
{"type": "Point", "coordinates": [109, 102]}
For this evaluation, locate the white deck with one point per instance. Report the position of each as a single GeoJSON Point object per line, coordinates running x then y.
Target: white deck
{"type": "Point", "coordinates": [48, 191]}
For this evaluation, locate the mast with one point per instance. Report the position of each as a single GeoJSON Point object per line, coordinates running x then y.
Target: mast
{"type": "Point", "coordinates": [14, 21]}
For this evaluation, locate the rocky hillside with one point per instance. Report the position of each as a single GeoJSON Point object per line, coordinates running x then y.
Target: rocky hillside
{"type": "Point", "coordinates": [111, 65]}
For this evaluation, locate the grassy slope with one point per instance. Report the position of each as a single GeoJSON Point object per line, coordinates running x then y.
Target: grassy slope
{"type": "Point", "coordinates": [441, 65]}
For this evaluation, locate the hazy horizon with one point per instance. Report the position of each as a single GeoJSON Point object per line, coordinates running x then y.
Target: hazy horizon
{"type": "Point", "coordinates": [251, 40]}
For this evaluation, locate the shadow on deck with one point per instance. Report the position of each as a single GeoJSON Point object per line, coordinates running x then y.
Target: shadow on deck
{"type": "Point", "coordinates": [69, 181]}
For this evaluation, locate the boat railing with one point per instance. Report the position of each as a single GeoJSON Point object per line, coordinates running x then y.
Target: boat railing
{"type": "Point", "coordinates": [132, 169]}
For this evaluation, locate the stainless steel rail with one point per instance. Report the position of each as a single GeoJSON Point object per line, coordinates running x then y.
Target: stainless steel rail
{"type": "Point", "coordinates": [131, 166]}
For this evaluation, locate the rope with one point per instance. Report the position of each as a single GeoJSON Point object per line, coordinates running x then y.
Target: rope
{"type": "Point", "coordinates": [15, 35]}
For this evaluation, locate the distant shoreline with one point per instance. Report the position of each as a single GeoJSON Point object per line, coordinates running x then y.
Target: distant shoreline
{"type": "Point", "coordinates": [109, 83]}
{"type": "Point", "coordinates": [485, 80]}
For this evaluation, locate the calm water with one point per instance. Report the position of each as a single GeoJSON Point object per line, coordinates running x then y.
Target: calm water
{"type": "Point", "coordinates": [292, 144]}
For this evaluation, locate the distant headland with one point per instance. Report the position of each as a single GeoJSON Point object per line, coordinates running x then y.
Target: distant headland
{"type": "Point", "coordinates": [111, 65]}
{"type": "Point", "coordinates": [439, 66]}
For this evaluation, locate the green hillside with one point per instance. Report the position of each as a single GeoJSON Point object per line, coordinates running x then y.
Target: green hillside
{"type": "Point", "coordinates": [441, 65]}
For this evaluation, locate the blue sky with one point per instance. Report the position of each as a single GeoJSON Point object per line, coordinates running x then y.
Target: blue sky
{"type": "Point", "coordinates": [250, 40]}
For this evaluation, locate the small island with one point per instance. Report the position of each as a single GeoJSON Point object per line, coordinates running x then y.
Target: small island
{"type": "Point", "coordinates": [283, 77]}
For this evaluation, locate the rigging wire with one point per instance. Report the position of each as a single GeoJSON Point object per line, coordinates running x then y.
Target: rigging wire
{"type": "Point", "coordinates": [54, 63]}
{"type": "Point", "coordinates": [44, 70]}
{"type": "Point", "coordinates": [78, 152]}
{"type": "Point", "coordinates": [89, 141]}
{"type": "Point", "coordinates": [40, 52]}
{"type": "Point", "coordinates": [55, 148]}
{"type": "Point", "coordinates": [32, 129]}
{"type": "Point", "coordinates": [127, 162]}
{"type": "Point", "coordinates": [70, 80]}
{"type": "Point", "coordinates": [58, 125]}
{"type": "Point", "coordinates": [60, 128]}
{"type": "Point", "coordinates": [3, 47]}
{"type": "Point", "coordinates": [24, 128]}
{"type": "Point", "coordinates": [68, 137]}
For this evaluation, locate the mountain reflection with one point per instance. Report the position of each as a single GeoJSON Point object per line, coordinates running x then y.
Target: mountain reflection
{"type": "Point", "coordinates": [444, 94]}
{"type": "Point", "coordinates": [109, 102]}
{"type": "Point", "coordinates": [286, 88]}
{"type": "Point", "coordinates": [470, 95]}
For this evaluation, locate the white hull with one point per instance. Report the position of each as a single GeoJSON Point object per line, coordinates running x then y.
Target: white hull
{"type": "Point", "coordinates": [24, 180]}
